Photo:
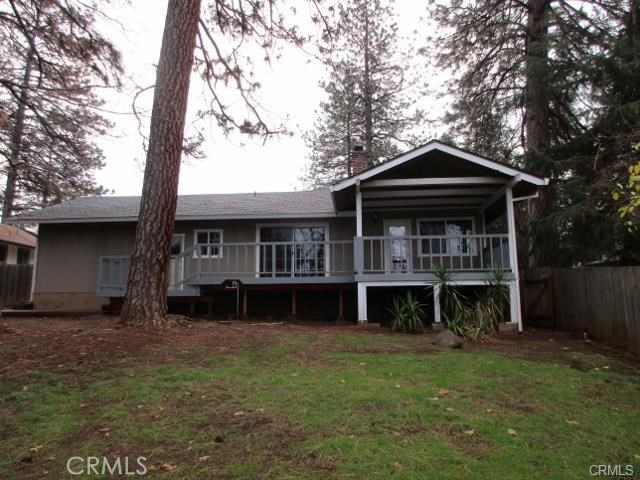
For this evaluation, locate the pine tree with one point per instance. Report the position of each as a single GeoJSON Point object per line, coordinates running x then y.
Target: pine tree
{"type": "Point", "coordinates": [212, 42]}
{"type": "Point", "coordinates": [522, 77]}
{"type": "Point", "coordinates": [368, 94]}
{"type": "Point", "coordinates": [53, 59]}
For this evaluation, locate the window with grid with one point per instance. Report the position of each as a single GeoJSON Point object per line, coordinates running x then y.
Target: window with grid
{"type": "Point", "coordinates": [208, 243]}
{"type": "Point", "coordinates": [453, 230]}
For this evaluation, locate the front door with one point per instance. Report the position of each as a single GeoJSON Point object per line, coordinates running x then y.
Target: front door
{"type": "Point", "coordinates": [176, 273]}
{"type": "Point", "coordinates": [398, 246]}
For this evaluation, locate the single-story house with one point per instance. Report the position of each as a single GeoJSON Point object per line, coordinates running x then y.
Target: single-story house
{"type": "Point", "coordinates": [17, 246]}
{"type": "Point", "coordinates": [388, 226]}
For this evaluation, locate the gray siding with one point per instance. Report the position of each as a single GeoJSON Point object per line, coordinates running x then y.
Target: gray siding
{"type": "Point", "coordinates": [67, 272]}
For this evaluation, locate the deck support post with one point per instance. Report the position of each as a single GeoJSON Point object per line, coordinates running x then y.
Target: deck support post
{"type": "Point", "coordinates": [362, 303]}
{"type": "Point", "coordinates": [341, 304]}
{"type": "Point", "coordinates": [514, 288]}
{"type": "Point", "coordinates": [436, 304]}
{"type": "Point", "coordinates": [293, 303]}
{"type": "Point", "coordinates": [244, 303]}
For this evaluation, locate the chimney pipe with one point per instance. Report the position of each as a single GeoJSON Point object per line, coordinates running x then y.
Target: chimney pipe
{"type": "Point", "coordinates": [358, 159]}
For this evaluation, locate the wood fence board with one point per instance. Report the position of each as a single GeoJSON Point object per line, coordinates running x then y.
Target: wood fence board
{"type": "Point", "coordinates": [604, 302]}
{"type": "Point", "coordinates": [15, 284]}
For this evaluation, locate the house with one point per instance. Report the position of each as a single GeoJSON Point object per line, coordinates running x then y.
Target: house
{"type": "Point", "coordinates": [17, 246]}
{"type": "Point", "coordinates": [386, 227]}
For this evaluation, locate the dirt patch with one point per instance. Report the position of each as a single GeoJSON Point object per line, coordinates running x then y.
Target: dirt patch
{"type": "Point", "coordinates": [66, 343]}
{"type": "Point", "coordinates": [60, 343]}
{"type": "Point", "coordinates": [464, 438]}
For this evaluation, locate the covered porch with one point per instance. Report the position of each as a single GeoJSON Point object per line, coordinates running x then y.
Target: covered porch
{"type": "Point", "coordinates": [431, 209]}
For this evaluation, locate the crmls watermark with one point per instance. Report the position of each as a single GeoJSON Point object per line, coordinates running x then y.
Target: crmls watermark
{"type": "Point", "coordinates": [102, 466]}
{"type": "Point", "coordinates": [611, 470]}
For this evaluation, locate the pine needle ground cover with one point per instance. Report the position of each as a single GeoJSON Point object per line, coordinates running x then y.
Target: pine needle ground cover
{"type": "Point", "coordinates": [243, 401]}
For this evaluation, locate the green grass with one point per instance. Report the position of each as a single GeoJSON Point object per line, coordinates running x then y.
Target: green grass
{"type": "Point", "coordinates": [349, 406]}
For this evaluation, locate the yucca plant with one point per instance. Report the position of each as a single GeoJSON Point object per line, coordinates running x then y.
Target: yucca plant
{"type": "Point", "coordinates": [407, 314]}
{"type": "Point", "coordinates": [454, 306]}
{"type": "Point", "coordinates": [498, 291]}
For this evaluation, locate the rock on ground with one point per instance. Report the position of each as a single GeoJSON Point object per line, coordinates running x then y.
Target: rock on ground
{"type": "Point", "coordinates": [446, 338]}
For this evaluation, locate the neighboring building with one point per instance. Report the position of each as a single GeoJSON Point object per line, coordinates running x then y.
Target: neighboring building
{"type": "Point", "coordinates": [17, 246]}
{"type": "Point", "coordinates": [389, 226]}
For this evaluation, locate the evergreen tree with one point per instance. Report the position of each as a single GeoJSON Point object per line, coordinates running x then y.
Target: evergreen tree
{"type": "Point", "coordinates": [52, 60]}
{"type": "Point", "coordinates": [523, 79]}
{"type": "Point", "coordinates": [213, 41]}
{"type": "Point", "coordinates": [368, 93]}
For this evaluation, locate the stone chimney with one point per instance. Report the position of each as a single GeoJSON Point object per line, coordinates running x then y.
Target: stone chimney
{"type": "Point", "coordinates": [358, 159]}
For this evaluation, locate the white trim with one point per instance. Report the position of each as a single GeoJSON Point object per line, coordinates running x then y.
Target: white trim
{"type": "Point", "coordinates": [435, 145]}
{"type": "Point", "coordinates": [362, 303]}
{"type": "Point", "coordinates": [434, 181]}
{"type": "Point", "coordinates": [420, 283]}
{"type": "Point", "coordinates": [513, 260]}
{"type": "Point", "coordinates": [183, 242]}
{"type": "Point", "coordinates": [445, 192]}
{"type": "Point", "coordinates": [436, 304]}
{"type": "Point", "coordinates": [494, 198]}
{"type": "Point", "coordinates": [358, 210]}
{"type": "Point", "coordinates": [405, 222]}
{"type": "Point", "coordinates": [472, 202]}
{"type": "Point", "coordinates": [445, 219]}
{"type": "Point", "coordinates": [196, 252]}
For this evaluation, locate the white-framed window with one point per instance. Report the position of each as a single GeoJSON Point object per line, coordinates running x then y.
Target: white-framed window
{"type": "Point", "coordinates": [292, 249]}
{"type": "Point", "coordinates": [208, 243]}
{"type": "Point", "coordinates": [451, 233]}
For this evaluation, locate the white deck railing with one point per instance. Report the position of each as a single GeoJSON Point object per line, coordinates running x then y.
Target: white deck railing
{"type": "Point", "coordinates": [425, 254]}
{"type": "Point", "coordinates": [379, 255]}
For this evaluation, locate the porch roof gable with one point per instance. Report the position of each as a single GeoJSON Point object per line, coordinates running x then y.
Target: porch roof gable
{"type": "Point", "coordinates": [435, 145]}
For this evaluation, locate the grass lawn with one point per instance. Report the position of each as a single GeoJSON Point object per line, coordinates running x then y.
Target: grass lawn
{"type": "Point", "coordinates": [242, 401]}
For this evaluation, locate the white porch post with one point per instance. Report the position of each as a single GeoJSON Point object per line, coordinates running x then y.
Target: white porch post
{"type": "Point", "coordinates": [362, 303]}
{"type": "Point", "coordinates": [436, 304]}
{"type": "Point", "coordinates": [516, 314]}
{"type": "Point", "coordinates": [358, 210]}
{"type": "Point", "coordinates": [362, 288]}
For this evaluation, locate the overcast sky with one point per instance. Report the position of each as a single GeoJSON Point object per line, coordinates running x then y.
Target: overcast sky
{"type": "Point", "coordinates": [237, 164]}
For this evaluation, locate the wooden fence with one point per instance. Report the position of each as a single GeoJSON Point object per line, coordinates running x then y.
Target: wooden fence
{"type": "Point", "coordinates": [602, 301]}
{"type": "Point", "coordinates": [15, 284]}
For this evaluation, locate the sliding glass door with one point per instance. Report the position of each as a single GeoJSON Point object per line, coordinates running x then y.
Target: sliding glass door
{"type": "Point", "coordinates": [287, 251]}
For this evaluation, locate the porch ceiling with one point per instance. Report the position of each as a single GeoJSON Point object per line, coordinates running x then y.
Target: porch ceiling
{"type": "Point", "coordinates": [433, 180]}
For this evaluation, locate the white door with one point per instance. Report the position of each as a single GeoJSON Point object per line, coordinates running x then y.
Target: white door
{"type": "Point", "coordinates": [398, 247]}
{"type": "Point", "coordinates": [176, 272]}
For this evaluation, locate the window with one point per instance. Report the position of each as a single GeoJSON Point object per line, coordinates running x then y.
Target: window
{"type": "Point", "coordinates": [451, 233]}
{"type": "Point", "coordinates": [3, 253]}
{"type": "Point", "coordinates": [23, 256]}
{"type": "Point", "coordinates": [292, 251]}
{"type": "Point", "coordinates": [208, 243]}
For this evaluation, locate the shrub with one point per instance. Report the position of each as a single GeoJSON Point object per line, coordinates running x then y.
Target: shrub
{"type": "Point", "coordinates": [472, 318]}
{"type": "Point", "coordinates": [407, 314]}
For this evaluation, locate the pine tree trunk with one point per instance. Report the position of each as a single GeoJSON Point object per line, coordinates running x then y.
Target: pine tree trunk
{"type": "Point", "coordinates": [146, 299]}
{"type": "Point", "coordinates": [537, 128]}
{"type": "Point", "coordinates": [367, 94]}
{"type": "Point", "coordinates": [17, 137]}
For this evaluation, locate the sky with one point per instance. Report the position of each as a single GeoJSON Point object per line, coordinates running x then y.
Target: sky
{"type": "Point", "coordinates": [289, 92]}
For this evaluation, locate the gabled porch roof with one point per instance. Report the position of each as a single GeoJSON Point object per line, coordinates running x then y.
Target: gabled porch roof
{"type": "Point", "coordinates": [438, 175]}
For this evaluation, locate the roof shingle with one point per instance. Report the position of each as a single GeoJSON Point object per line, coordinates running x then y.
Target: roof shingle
{"type": "Point", "coordinates": [235, 205]}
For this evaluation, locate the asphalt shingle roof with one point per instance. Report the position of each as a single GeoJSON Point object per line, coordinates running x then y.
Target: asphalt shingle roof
{"type": "Point", "coordinates": [234, 205]}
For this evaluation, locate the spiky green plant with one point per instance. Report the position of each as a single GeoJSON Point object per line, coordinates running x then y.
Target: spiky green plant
{"type": "Point", "coordinates": [407, 314]}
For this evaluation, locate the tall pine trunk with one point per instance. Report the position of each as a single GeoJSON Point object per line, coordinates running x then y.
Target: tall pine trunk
{"type": "Point", "coordinates": [17, 137]}
{"type": "Point", "coordinates": [537, 128]}
{"type": "Point", "coordinates": [146, 299]}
